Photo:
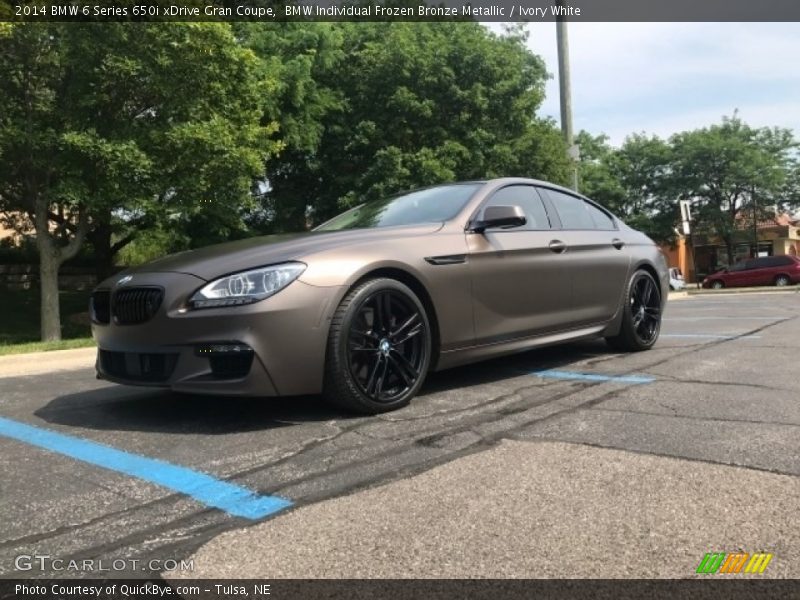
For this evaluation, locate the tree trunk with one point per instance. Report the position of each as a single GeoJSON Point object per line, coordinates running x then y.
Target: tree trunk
{"type": "Point", "coordinates": [51, 256]}
{"type": "Point", "coordinates": [729, 246]}
{"type": "Point", "coordinates": [50, 309]}
{"type": "Point", "coordinates": [100, 238]}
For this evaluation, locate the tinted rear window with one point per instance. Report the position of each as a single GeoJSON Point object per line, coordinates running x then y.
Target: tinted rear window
{"type": "Point", "coordinates": [774, 261]}
{"type": "Point", "coordinates": [576, 213]}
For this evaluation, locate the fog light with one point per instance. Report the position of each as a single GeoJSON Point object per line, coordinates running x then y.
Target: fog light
{"type": "Point", "coordinates": [227, 360]}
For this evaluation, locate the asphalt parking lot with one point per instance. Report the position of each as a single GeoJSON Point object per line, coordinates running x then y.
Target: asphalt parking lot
{"type": "Point", "coordinates": [568, 450]}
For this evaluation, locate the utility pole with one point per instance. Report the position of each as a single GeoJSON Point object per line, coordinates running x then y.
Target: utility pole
{"type": "Point", "coordinates": [565, 90]}
{"type": "Point", "coordinates": [755, 220]}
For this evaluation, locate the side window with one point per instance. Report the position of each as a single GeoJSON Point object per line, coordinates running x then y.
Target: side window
{"type": "Point", "coordinates": [765, 263]}
{"type": "Point", "coordinates": [776, 261]}
{"type": "Point", "coordinates": [739, 266]}
{"type": "Point", "coordinates": [576, 213]}
{"type": "Point", "coordinates": [527, 198]}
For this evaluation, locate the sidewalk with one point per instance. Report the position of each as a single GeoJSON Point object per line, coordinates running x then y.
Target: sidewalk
{"type": "Point", "coordinates": [36, 363]}
{"type": "Point", "coordinates": [792, 289]}
{"type": "Point", "coordinates": [524, 509]}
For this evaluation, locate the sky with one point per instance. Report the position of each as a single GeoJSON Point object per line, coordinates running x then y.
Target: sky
{"type": "Point", "coordinates": [661, 78]}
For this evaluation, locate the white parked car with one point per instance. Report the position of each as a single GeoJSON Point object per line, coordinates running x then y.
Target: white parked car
{"type": "Point", "coordinates": [676, 281]}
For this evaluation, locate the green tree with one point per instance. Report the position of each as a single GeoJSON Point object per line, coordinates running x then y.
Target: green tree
{"type": "Point", "coordinates": [599, 172]}
{"type": "Point", "coordinates": [121, 123]}
{"type": "Point", "coordinates": [296, 58]}
{"type": "Point", "coordinates": [731, 171]}
{"type": "Point", "coordinates": [414, 104]}
{"type": "Point", "coordinates": [632, 181]}
{"type": "Point", "coordinates": [644, 164]}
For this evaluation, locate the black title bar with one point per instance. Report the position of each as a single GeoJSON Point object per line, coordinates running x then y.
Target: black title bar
{"type": "Point", "coordinates": [401, 10]}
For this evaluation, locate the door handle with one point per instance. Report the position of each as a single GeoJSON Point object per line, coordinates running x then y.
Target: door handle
{"type": "Point", "coordinates": [617, 243]}
{"type": "Point", "coordinates": [557, 246]}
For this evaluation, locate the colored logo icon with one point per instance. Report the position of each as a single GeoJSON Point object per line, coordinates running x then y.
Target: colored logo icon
{"type": "Point", "coordinates": [736, 562]}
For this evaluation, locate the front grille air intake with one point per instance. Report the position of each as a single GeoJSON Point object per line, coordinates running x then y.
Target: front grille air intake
{"type": "Point", "coordinates": [131, 306]}
{"type": "Point", "coordinates": [100, 307]}
{"type": "Point", "coordinates": [148, 368]}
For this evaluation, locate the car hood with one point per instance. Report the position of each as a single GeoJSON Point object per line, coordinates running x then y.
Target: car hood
{"type": "Point", "coordinates": [214, 261]}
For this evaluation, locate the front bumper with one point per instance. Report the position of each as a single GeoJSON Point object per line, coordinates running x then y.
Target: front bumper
{"type": "Point", "coordinates": [286, 332]}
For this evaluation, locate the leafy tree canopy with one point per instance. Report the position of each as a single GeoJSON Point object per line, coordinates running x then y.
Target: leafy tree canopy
{"type": "Point", "coordinates": [730, 171]}
{"type": "Point", "coordinates": [410, 104]}
{"type": "Point", "coordinates": [124, 120]}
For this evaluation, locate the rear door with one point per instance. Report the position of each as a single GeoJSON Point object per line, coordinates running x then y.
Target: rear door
{"type": "Point", "coordinates": [770, 267]}
{"type": "Point", "coordinates": [785, 265]}
{"type": "Point", "coordinates": [521, 287]}
{"type": "Point", "coordinates": [597, 254]}
{"type": "Point", "coordinates": [764, 271]}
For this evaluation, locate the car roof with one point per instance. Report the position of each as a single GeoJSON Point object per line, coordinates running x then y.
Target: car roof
{"type": "Point", "coordinates": [511, 180]}
{"type": "Point", "coordinates": [530, 181]}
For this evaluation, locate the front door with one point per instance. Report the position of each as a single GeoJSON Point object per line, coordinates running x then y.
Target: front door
{"type": "Point", "coordinates": [521, 282]}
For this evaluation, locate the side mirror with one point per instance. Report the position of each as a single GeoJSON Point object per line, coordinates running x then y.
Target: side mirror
{"type": "Point", "coordinates": [500, 216]}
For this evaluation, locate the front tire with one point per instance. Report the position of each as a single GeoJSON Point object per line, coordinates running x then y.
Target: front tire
{"type": "Point", "coordinates": [717, 285]}
{"type": "Point", "coordinates": [641, 315]}
{"type": "Point", "coordinates": [379, 348]}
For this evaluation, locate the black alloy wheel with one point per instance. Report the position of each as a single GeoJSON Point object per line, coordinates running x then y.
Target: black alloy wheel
{"type": "Point", "coordinates": [641, 318]}
{"type": "Point", "coordinates": [379, 348]}
{"type": "Point", "coordinates": [645, 309]}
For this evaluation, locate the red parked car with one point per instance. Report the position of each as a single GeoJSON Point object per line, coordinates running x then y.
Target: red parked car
{"type": "Point", "coordinates": [768, 270]}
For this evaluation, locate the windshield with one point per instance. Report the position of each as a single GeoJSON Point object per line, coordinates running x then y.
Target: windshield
{"type": "Point", "coordinates": [432, 205]}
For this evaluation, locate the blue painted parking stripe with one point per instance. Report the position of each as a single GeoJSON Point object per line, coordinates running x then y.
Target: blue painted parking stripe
{"type": "Point", "coordinates": [710, 337]}
{"type": "Point", "coordinates": [206, 489]}
{"type": "Point", "coordinates": [553, 374]}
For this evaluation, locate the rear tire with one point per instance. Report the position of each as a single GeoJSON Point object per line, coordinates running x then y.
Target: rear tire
{"type": "Point", "coordinates": [379, 348]}
{"type": "Point", "coordinates": [782, 280]}
{"type": "Point", "coordinates": [641, 315]}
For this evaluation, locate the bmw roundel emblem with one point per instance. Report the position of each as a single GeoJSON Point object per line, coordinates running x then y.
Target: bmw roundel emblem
{"type": "Point", "coordinates": [124, 280]}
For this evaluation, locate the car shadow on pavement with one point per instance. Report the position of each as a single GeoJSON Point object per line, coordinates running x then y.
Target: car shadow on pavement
{"type": "Point", "coordinates": [514, 365]}
{"type": "Point", "coordinates": [124, 408]}
{"type": "Point", "coordinates": [121, 408]}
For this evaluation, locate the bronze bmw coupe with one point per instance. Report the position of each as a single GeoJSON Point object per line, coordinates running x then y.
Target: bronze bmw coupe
{"type": "Point", "coordinates": [361, 308]}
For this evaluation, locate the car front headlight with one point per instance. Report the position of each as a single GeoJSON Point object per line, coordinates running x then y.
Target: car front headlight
{"type": "Point", "coordinates": [247, 287]}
